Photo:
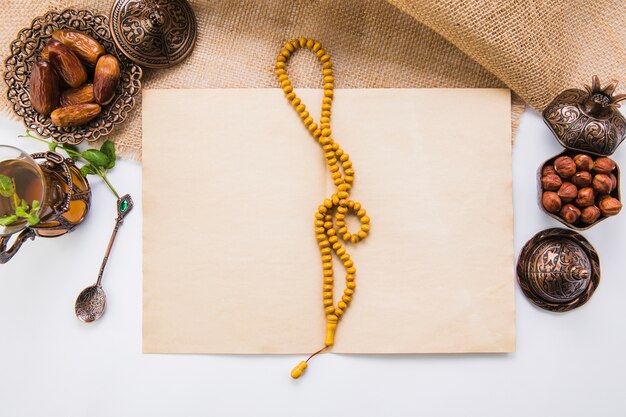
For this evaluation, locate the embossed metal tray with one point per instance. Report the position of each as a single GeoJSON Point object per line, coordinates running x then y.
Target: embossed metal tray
{"type": "Point", "coordinates": [26, 51]}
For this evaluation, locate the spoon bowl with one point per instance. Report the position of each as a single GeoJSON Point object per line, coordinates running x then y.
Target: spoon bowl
{"type": "Point", "coordinates": [90, 304]}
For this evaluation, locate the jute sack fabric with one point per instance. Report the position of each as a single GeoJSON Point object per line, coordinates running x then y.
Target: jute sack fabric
{"type": "Point", "coordinates": [535, 48]}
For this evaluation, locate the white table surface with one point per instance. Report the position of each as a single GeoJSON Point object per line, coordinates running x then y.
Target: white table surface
{"type": "Point", "coordinates": [52, 365]}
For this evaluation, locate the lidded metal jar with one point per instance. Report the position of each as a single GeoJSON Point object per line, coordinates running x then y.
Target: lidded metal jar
{"type": "Point", "coordinates": [589, 125]}
{"type": "Point", "coordinates": [588, 120]}
{"type": "Point", "coordinates": [154, 33]}
{"type": "Point", "coordinates": [558, 270]}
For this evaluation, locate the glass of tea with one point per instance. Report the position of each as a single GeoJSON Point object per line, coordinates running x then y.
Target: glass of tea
{"type": "Point", "coordinates": [46, 199]}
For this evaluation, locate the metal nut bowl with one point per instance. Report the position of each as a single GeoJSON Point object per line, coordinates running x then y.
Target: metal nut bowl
{"type": "Point", "coordinates": [26, 51]}
{"type": "Point", "coordinates": [578, 226]}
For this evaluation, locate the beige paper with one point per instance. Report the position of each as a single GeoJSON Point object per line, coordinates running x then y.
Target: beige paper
{"type": "Point", "coordinates": [231, 183]}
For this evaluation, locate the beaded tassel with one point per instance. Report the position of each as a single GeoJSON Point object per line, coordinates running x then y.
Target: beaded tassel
{"type": "Point", "coordinates": [330, 224]}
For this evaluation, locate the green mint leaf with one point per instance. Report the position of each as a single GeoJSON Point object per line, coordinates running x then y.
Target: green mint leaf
{"type": "Point", "coordinates": [52, 146]}
{"type": "Point", "coordinates": [108, 148]}
{"type": "Point", "coordinates": [21, 212]}
{"type": "Point", "coordinates": [35, 206]}
{"type": "Point", "coordinates": [6, 186]}
{"type": "Point", "coordinates": [88, 170]}
{"type": "Point", "coordinates": [23, 205]}
{"type": "Point", "coordinates": [96, 158]}
{"type": "Point", "coordinates": [8, 220]}
{"type": "Point", "coordinates": [33, 220]}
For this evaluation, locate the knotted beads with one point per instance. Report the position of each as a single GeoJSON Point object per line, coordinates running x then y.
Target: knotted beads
{"type": "Point", "coordinates": [330, 224]}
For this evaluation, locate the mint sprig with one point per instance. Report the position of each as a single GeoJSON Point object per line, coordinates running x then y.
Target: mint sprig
{"type": "Point", "coordinates": [21, 209]}
{"type": "Point", "coordinates": [97, 162]}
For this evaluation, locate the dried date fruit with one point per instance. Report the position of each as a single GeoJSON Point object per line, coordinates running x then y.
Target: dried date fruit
{"type": "Point", "coordinates": [86, 48]}
{"type": "Point", "coordinates": [44, 54]}
{"type": "Point", "coordinates": [66, 64]}
{"type": "Point", "coordinates": [106, 78]}
{"type": "Point", "coordinates": [79, 95]}
{"type": "Point", "coordinates": [75, 115]}
{"type": "Point", "coordinates": [44, 87]}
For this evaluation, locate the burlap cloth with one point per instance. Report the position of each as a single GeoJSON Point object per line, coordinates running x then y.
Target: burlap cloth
{"type": "Point", "coordinates": [537, 49]}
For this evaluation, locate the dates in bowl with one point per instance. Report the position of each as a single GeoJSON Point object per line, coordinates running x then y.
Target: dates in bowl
{"type": "Point", "coordinates": [66, 78]}
{"type": "Point", "coordinates": [579, 189]}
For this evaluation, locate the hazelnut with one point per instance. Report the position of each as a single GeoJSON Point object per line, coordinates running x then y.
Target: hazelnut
{"type": "Point", "coordinates": [583, 162]}
{"type": "Point", "coordinates": [565, 166]}
{"type": "Point", "coordinates": [548, 169]}
{"type": "Point", "coordinates": [582, 179]}
{"type": "Point", "coordinates": [589, 214]}
{"type": "Point", "coordinates": [609, 206]}
{"type": "Point", "coordinates": [567, 192]}
{"type": "Point", "coordinates": [551, 202]}
{"type": "Point", "coordinates": [613, 181]}
{"type": "Point", "coordinates": [602, 183]}
{"type": "Point", "coordinates": [586, 197]}
{"type": "Point", "coordinates": [551, 182]}
{"type": "Point", "coordinates": [603, 165]}
{"type": "Point", "coordinates": [570, 213]}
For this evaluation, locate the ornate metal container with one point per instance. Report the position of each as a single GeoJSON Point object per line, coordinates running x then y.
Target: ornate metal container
{"type": "Point", "coordinates": [588, 120]}
{"type": "Point", "coordinates": [578, 226]}
{"type": "Point", "coordinates": [558, 270]}
{"type": "Point", "coordinates": [154, 33]}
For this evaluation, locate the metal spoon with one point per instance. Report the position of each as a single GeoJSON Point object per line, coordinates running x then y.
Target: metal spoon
{"type": "Point", "coordinates": [91, 302]}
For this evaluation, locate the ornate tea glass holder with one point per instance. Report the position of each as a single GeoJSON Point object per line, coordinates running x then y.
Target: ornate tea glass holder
{"type": "Point", "coordinates": [62, 192]}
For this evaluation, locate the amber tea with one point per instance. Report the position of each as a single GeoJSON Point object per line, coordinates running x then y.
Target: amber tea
{"type": "Point", "coordinates": [26, 185]}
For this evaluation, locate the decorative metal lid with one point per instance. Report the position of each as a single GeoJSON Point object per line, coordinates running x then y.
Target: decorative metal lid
{"type": "Point", "coordinates": [558, 270]}
{"type": "Point", "coordinates": [588, 120]}
{"type": "Point", "coordinates": [154, 33]}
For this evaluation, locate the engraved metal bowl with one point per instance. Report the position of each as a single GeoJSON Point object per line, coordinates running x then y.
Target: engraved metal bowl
{"type": "Point", "coordinates": [579, 225]}
{"type": "Point", "coordinates": [26, 51]}
{"type": "Point", "coordinates": [558, 270]}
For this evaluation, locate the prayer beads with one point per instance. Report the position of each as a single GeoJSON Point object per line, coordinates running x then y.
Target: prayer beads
{"type": "Point", "coordinates": [330, 225]}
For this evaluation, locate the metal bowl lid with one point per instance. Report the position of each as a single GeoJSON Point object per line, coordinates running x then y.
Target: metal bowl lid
{"type": "Point", "coordinates": [558, 270]}
{"type": "Point", "coordinates": [588, 120]}
{"type": "Point", "coordinates": [154, 33]}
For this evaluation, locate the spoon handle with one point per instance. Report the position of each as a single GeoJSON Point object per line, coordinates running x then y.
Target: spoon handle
{"type": "Point", "coordinates": [124, 206]}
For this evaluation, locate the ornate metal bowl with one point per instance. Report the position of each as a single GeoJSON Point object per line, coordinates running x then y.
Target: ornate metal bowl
{"type": "Point", "coordinates": [616, 193]}
{"type": "Point", "coordinates": [26, 51]}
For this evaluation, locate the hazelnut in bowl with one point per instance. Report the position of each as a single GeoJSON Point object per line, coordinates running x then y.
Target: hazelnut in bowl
{"type": "Point", "coordinates": [66, 78]}
{"type": "Point", "coordinates": [579, 189]}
